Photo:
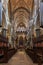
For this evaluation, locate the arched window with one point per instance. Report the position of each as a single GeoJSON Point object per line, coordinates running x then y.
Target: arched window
{"type": "Point", "coordinates": [42, 0]}
{"type": "Point", "coordinates": [0, 0]}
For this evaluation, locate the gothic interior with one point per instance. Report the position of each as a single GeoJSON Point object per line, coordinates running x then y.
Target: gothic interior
{"type": "Point", "coordinates": [21, 28]}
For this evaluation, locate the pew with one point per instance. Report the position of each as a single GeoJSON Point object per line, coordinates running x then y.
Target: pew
{"type": "Point", "coordinates": [38, 48]}
{"type": "Point", "coordinates": [3, 48]}
{"type": "Point", "coordinates": [5, 51]}
{"type": "Point", "coordinates": [36, 53]}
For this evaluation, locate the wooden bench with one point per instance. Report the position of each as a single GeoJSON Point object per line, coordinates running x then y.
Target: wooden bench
{"type": "Point", "coordinates": [3, 48]}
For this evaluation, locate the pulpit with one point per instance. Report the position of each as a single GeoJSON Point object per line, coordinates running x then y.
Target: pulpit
{"type": "Point", "coordinates": [37, 32]}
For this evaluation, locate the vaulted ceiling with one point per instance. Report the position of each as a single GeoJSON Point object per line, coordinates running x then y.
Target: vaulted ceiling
{"type": "Point", "coordinates": [25, 3]}
{"type": "Point", "coordinates": [20, 11]}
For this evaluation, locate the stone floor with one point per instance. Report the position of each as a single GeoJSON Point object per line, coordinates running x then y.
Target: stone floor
{"type": "Point", "coordinates": [20, 58]}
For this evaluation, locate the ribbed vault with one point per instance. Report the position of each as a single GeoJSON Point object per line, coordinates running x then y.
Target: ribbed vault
{"type": "Point", "coordinates": [20, 13]}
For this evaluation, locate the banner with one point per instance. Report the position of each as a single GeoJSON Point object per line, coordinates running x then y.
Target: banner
{"type": "Point", "coordinates": [41, 14]}
{"type": "Point", "coordinates": [0, 13]}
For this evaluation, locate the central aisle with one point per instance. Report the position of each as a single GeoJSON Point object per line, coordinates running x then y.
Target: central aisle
{"type": "Point", "coordinates": [20, 58]}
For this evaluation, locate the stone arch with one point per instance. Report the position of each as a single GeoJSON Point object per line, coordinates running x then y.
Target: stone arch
{"type": "Point", "coordinates": [21, 24]}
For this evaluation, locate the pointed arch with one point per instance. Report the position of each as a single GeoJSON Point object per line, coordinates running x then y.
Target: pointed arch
{"type": "Point", "coordinates": [21, 24]}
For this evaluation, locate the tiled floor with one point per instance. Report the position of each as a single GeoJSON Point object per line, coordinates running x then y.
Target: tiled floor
{"type": "Point", "coordinates": [20, 58]}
